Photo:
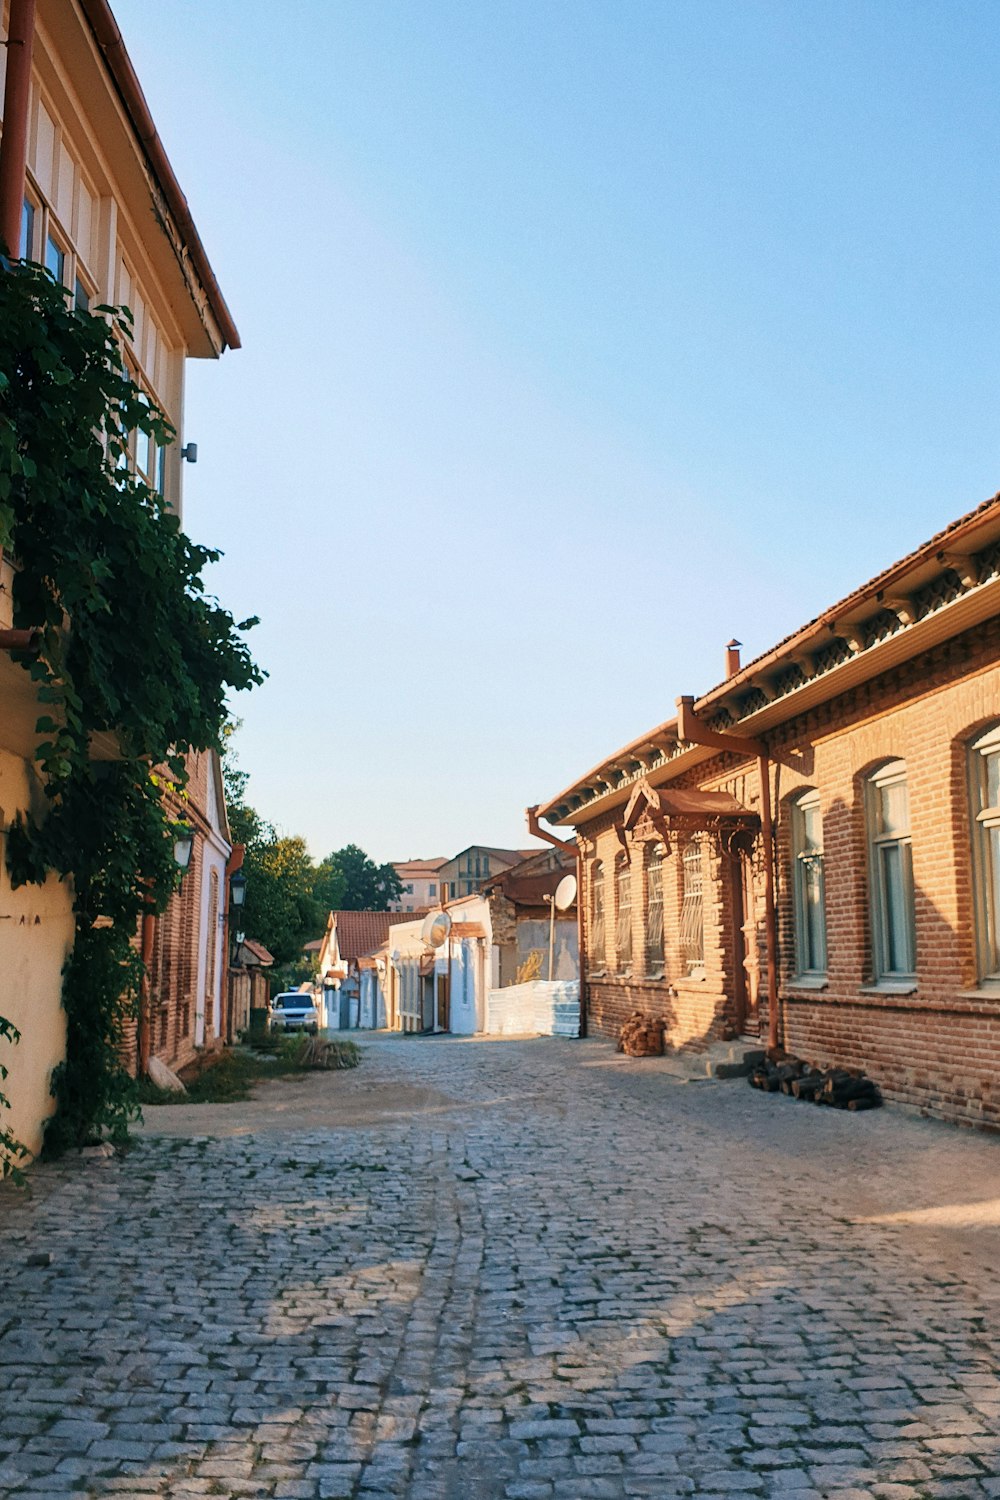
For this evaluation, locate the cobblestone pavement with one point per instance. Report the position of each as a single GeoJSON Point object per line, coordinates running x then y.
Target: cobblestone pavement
{"type": "Point", "coordinates": [575, 1277]}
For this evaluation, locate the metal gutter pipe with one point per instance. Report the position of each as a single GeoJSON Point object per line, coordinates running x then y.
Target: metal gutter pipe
{"type": "Point", "coordinates": [14, 142]}
{"type": "Point", "coordinates": [691, 729]}
{"type": "Point", "coordinates": [538, 832]}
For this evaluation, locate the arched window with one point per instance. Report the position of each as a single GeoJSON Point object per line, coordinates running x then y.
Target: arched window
{"type": "Point", "coordinates": [808, 892]}
{"type": "Point", "coordinates": [654, 911]}
{"type": "Point", "coordinates": [984, 786]}
{"type": "Point", "coordinates": [596, 944]}
{"type": "Point", "coordinates": [692, 910]}
{"type": "Point", "coordinates": [890, 873]}
{"type": "Point", "coordinates": [623, 914]}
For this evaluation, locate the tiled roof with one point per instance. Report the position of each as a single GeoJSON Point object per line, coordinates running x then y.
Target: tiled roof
{"type": "Point", "coordinates": [405, 867]}
{"type": "Point", "coordinates": [361, 932]}
{"type": "Point", "coordinates": [257, 952]}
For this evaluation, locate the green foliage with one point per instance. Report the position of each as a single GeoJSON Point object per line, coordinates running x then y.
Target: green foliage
{"type": "Point", "coordinates": [361, 884]}
{"type": "Point", "coordinates": [131, 644]}
{"type": "Point", "coordinates": [330, 886]}
{"type": "Point", "coordinates": [12, 1151]}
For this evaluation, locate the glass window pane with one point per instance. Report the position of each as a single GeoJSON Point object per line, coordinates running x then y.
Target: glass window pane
{"type": "Point", "coordinates": [991, 876]}
{"type": "Point", "coordinates": [814, 916]}
{"type": "Point", "coordinates": [893, 809]}
{"type": "Point", "coordinates": [55, 259]}
{"type": "Point", "coordinates": [812, 828]}
{"type": "Point", "coordinates": [81, 297]}
{"type": "Point", "coordinates": [27, 230]}
{"type": "Point", "coordinates": [894, 859]}
{"type": "Point", "coordinates": [992, 769]}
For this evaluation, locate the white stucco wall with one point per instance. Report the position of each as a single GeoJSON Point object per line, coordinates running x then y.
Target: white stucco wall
{"type": "Point", "coordinates": [536, 1009]}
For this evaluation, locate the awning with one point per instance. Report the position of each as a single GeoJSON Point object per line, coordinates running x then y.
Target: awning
{"type": "Point", "coordinates": [686, 810]}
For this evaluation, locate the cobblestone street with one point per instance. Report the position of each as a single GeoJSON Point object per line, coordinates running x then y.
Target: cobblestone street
{"type": "Point", "coordinates": [508, 1269]}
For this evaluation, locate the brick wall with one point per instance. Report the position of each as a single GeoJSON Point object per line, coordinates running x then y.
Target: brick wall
{"type": "Point", "coordinates": [937, 1047]}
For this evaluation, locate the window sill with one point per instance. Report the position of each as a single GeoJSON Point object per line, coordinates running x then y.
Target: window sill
{"type": "Point", "coordinates": [807, 982]}
{"type": "Point", "coordinates": [690, 979]}
{"type": "Point", "coordinates": [989, 990]}
{"type": "Point", "coordinates": [890, 987]}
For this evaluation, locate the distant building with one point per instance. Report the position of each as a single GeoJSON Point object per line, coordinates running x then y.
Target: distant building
{"type": "Point", "coordinates": [464, 874]}
{"type": "Point", "coordinates": [350, 937]}
{"type": "Point", "coordinates": [520, 910]}
{"type": "Point", "coordinates": [420, 881]}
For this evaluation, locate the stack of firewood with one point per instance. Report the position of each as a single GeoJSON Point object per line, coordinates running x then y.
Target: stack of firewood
{"type": "Point", "coordinates": [843, 1088]}
{"type": "Point", "coordinates": [641, 1036]}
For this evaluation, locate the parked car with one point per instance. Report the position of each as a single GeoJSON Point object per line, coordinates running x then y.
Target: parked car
{"type": "Point", "coordinates": [294, 1010]}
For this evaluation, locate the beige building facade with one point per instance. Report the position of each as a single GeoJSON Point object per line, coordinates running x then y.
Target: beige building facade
{"type": "Point", "coordinates": [103, 211]}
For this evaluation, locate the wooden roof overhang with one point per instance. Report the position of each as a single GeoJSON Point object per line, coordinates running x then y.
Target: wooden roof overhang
{"type": "Point", "coordinates": [665, 811]}
{"type": "Point", "coordinates": [946, 587]}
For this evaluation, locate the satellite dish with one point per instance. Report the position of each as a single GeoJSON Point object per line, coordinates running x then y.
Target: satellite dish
{"type": "Point", "coordinates": [437, 925]}
{"type": "Point", "coordinates": [565, 892]}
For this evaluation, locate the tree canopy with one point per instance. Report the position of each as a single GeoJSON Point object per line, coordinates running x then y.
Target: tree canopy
{"type": "Point", "coordinates": [361, 884]}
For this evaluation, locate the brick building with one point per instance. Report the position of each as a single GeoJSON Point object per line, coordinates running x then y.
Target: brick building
{"type": "Point", "coordinates": [189, 992]}
{"type": "Point", "coordinates": [810, 851]}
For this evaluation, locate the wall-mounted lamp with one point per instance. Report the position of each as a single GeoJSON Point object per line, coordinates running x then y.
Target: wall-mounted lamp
{"type": "Point", "coordinates": [237, 889]}
{"type": "Point", "coordinates": [189, 453]}
{"type": "Point", "coordinates": [183, 846]}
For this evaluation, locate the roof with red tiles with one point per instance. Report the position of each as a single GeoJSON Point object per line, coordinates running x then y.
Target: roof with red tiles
{"type": "Point", "coordinates": [360, 932]}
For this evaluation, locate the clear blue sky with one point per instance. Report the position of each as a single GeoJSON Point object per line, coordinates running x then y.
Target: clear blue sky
{"type": "Point", "coordinates": [578, 337]}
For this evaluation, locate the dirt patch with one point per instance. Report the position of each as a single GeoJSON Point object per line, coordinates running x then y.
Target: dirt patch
{"type": "Point", "coordinates": [314, 1101]}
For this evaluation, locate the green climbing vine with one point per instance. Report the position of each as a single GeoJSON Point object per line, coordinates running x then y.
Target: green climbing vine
{"type": "Point", "coordinates": [132, 646]}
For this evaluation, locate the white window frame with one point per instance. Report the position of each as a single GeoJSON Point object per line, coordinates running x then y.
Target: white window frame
{"type": "Point", "coordinates": [879, 843]}
{"type": "Point", "coordinates": [985, 860]}
{"type": "Point", "coordinates": [807, 863]}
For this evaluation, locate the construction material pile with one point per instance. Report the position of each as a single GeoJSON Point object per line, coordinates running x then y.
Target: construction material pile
{"type": "Point", "coordinates": [843, 1088]}
{"type": "Point", "coordinates": [641, 1036]}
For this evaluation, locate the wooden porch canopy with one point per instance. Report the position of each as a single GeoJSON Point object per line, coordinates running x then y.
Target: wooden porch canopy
{"type": "Point", "coordinates": [661, 811]}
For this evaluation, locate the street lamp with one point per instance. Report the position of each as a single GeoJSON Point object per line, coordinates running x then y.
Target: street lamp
{"type": "Point", "coordinates": [237, 889]}
{"type": "Point", "coordinates": [237, 896]}
{"type": "Point", "coordinates": [183, 845]}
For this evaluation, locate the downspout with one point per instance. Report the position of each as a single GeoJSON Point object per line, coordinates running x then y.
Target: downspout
{"type": "Point", "coordinates": [14, 142]}
{"type": "Point", "coordinates": [144, 1036]}
{"type": "Point", "coordinates": [694, 732]}
{"type": "Point", "coordinates": [233, 863]}
{"type": "Point", "coordinates": [538, 832]}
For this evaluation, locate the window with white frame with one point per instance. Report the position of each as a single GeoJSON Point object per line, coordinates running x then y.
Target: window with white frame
{"type": "Point", "coordinates": [808, 891]}
{"type": "Point", "coordinates": [655, 956]}
{"type": "Point", "coordinates": [890, 873]}
{"type": "Point", "coordinates": [692, 910]}
{"type": "Point", "coordinates": [623, 914]}
{"type": "Point", "coordinates": [596, 944]}
{"type": "Point", "coordinates": [984, 782]}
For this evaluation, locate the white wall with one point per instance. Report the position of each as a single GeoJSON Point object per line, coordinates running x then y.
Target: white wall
{"type": "Point", "coordinates": [537, 1009]}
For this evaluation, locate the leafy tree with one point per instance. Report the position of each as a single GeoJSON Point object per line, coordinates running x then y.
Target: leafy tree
{"type": "Point", "coordinates": [281, 910]}
{"type": "Point", "coordinates": [366, 885]}
{"type": "Point", "coordinates": [330, 886]}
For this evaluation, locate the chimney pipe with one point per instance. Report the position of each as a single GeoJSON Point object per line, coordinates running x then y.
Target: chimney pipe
{"type": "Point", "coordinates": [732, 658]}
